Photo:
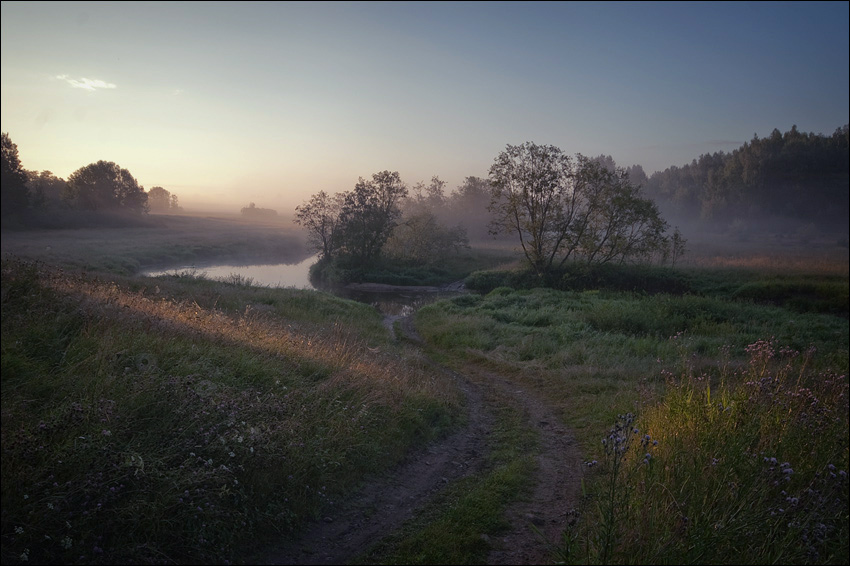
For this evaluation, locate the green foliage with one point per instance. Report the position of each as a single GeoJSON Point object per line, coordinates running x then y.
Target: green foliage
{"type": "Point", "coordinates": [580, 209]}
{"type": "Point", "coordinates": [105, 186]}
{"type": "Point", "coordinates": [183, 421]}
{"type": "Point", "coordinates": [750, 464]}
{"type": "Point", "coordinates": [390, 271]}
{"type": "Point", "coordinates": [799, 178]}
{"type": "Point", "coordinates": [13, 179]}
{"type": "Point", "coordinates": [812, 293]}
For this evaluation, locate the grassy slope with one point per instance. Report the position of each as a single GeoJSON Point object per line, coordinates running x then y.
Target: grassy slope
{"type": "Point", "coordinates": [143, 420]}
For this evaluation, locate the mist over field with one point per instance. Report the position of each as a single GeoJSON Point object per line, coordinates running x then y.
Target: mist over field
{"type": "Point", "coordinates": [425, 282]}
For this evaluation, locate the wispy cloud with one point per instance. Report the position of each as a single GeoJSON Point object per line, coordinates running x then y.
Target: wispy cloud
{"type": "Point", "coordinates": [87, 84]}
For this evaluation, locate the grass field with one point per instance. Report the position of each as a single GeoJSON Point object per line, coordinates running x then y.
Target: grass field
{"type": "Point", "coordinates": [149, 420]}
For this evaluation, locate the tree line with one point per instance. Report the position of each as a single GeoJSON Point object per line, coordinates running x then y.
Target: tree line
{"type": "Point", "coordinates": [103, 186]}
{"type": "Point", "coordinates": [795, 176]}
{"type": "Point", "coordinates": [559, 207]}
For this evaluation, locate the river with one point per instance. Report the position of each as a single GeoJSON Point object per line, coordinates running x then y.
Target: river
{"type": "Point", "coordinates": [392, 301]}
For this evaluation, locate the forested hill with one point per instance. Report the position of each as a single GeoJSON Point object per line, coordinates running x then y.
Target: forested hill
{"type": "Point", "coordinates": [791, 182]}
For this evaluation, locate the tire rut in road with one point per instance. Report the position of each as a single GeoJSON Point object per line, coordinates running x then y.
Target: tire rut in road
{"type": "Point", "coordinates": [385, 503]}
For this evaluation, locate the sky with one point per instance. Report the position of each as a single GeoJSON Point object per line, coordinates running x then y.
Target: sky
{"type": "Point", "coordinates": [228, 103]}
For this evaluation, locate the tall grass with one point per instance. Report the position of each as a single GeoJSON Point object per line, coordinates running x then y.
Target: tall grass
{"type": "Point", "coordinates": [694, 468]}
{"type": "Point", "coordinates": [747, 466]}
{"type": "Point", "coordinates": [154, 425]}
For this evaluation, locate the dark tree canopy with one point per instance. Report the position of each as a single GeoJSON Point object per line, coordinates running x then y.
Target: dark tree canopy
{"type": "Point", "coordinates": [562, 208]}
{"type": "Point", "coordinates": [13, 183]}
{"type": "Point", "coordinates": [159, 199]}
{"type": "Point", "coordinates": [355, 224]}
{"type": "Point", "coordinates": [46, 189]}
{"type": "Point", "coordinates": [104, 186]}
{"type": "Point", "coordinates": [792, 176]}
{"type": "Point", "coordinates": [321, 217]}
{"type": "Point", "coordinates": [369, 214]}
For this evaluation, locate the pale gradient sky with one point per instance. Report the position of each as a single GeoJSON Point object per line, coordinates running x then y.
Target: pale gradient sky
{"type": "Point", "coordinates": [226, 103]}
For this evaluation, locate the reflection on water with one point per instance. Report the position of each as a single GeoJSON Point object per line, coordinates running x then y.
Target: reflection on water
{"type": "Point", "coordinates": [392, 305]}
{"type": "Point", "coordinates": [295, 275]}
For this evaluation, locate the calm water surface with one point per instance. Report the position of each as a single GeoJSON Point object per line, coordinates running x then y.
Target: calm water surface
{"type": "Point", "coordinates": [297, 275]}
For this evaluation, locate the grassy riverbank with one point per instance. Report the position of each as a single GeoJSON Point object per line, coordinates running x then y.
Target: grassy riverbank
{"type": "Point", "coordinates": [714, 423]}
{"type": "Point", "coordinates": [180, 420]}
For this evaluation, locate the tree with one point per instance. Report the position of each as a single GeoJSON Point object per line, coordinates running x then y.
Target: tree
{"type": "Point", "coordinates": [617, 223]}
{"type": "Point", "coordinates": [467, 205]}
{"type": "Point", "coordinates": [321, 217]}
{"type": "Point", "coordinates": [562, 208]}
{"type": "Point", "coordinates": [46, 189]}
{"type": "Point", "coordinates": [532, 197]}
{"type": "Point", "coordinates": [159, 199]}
{"type": "Point", "coordinates": [430, 197]}
{"type": "Point", "coordinates": [253, 211]}
{"type": "Point", "coordinates": [422, 238]}
{"type": "Point", "coordinates": [369, 214]}
{"type": "Point", "coordinates": [105, 186]}
{"type": "Point", "coordinates": [13, 179]}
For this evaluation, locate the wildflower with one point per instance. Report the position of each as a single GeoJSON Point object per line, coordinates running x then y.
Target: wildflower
{"type": "Point", "coordinates": [25, 555]}
{"type": "Point", "coordinates": [19, 530]}
{"type": "Point", "coordinates": [67, 543]}
{"type": "Point", "coordinates": [107, 433]}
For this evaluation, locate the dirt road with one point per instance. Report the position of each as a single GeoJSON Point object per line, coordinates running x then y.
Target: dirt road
{"type": "Point", "coordinates": [383, 505]}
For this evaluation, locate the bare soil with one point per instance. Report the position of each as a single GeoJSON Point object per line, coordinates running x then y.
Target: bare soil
{"type": "Point", "coordinates": [537, 524]}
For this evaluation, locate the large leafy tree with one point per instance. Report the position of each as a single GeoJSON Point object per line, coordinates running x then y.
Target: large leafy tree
{"type": "Point", "coordinates": [614, 221]}
{"type": "Point", "coordinates": [355, 224]}
{"type": "Point", "coordinates": [562, 207]}
{"type": "Point", "coordinates": [370, 213]}
{"type": "Point", "coordinates": [532, 197]}
{"type": "Point", "coordinates": [13, 179]}
{"type": "Point", "coordinates": [321, 217]}
{"type": "Point", "coordinates": [46, 189]}
{"type": "Point", "coordinates": [105, 186]}
{"type": "Point", "coordinates": [159, 199]}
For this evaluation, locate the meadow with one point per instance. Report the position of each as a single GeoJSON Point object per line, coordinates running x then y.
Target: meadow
{"type": "Point", "coordinates": [180, 420]}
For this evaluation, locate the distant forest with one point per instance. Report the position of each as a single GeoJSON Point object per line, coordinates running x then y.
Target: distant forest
{"type": "Point", "coordinates": [793, 185]}
{"type": "Point", "coordinates": [796, 184]}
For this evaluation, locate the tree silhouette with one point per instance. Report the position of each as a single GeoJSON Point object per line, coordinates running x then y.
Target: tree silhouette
{"type": "Point", "coordinates": [13, 183]}
{"type": "Point", "coordinates": [105, 186]}
{"type": "Point", "coordinates": [562, 208]}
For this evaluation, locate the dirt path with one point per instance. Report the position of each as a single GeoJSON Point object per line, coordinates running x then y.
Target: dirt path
{"type": "Point", "coordinates": [383, 505]}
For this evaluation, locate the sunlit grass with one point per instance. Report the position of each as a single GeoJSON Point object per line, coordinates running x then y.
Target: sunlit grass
{"type": "Point", "coordinates": [749, 465]}
{"type": "Point", "coordinates": [600, 355]}
{"type": "Point", "coordinates": [141, 426]}
{"type": "Point", "coordinates": [175, 419]}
